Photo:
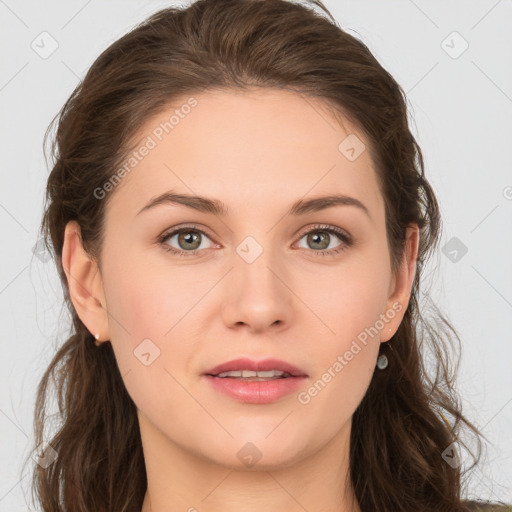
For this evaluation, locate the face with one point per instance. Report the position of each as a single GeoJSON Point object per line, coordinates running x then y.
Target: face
{"type": "Point", "coordinates": [187, 289]}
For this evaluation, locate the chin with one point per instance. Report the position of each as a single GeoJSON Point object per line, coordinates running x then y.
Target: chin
{"type": "Point", "coordinates": [258, 451]}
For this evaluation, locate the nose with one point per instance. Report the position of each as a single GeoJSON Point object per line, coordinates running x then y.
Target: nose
{"type": "Point", "coordinates": [258, 295]}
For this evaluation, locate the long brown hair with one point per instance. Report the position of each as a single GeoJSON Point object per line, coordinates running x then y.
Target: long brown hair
{"type": "Point", "coordinates": [409, 416]}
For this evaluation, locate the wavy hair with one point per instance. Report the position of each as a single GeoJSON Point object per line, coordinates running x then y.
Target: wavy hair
{"type": "Point", "coordinates": [411, 412]}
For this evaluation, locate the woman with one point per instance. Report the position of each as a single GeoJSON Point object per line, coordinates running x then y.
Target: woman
{"type": "Point", "coordinates": [240, 218]}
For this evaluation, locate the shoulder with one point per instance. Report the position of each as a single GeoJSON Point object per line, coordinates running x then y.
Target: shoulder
{"type": "Point", "coordinates": [486, 506]}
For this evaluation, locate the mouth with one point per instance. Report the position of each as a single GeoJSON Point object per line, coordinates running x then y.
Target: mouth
{"type": "Point", "coordinates": [266, 369]}
{"type": "Point", "coordinates": [256, 382]}
{"type": "Point", "coordinates": [252, 376]}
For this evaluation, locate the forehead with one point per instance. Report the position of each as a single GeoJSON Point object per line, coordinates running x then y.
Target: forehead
{"type": "Point", "coordinates": [246, 147]}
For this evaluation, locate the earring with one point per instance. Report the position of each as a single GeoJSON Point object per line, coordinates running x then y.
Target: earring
{"type": "Point", "coordinates": [382, 362]}
{"type": "Point", "coordinates": [97, 336]}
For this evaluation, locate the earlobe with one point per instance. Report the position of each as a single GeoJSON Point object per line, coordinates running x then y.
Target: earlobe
{"type": "Point", "coordinates": [398, 299]}
{"type": "Point", "coordinates": [84, 282]}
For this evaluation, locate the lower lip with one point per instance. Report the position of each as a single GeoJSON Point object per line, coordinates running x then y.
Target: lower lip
{"type": "Point", "coordinates": [256, 392]}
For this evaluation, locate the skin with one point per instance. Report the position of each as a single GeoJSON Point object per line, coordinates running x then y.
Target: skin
{"type": "Point", "coordinates": [257, 151]}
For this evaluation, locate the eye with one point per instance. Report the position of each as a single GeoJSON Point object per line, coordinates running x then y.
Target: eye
{"type": "Point", "coordinates": [189, 240]}
{"type": "Point", "coordinates": [321, 237]}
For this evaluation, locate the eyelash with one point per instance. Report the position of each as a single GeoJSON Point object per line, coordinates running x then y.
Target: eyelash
{"type": "Point", "coordinates": [341, 234]}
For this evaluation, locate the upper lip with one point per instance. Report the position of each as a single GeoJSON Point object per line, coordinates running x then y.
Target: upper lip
{"type": "Point", "coordinates": [256, 366]}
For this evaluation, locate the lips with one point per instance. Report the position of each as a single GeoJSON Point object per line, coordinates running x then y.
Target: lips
{"type": "Point", "coordinates": [256, 366]}
{"type": "Point", "coordinates": [242, 386]}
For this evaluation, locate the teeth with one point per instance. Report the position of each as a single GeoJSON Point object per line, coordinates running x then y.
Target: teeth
{"type": "Point", "coordinates": [244, 374]}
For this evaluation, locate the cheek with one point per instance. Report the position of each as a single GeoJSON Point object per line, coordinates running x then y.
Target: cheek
{"type": "Point", "coordinates": [353, 301]}
{"type": "Point", "coordinates": [353, 308]}
{"type": "Point", "coordinates": [142, 298]}
{"type": "Point", "coordinates": [144, 339]}
{"type": "Point", "coordinates": [136, 307]}
{"type": "Point", "coordinates": [149, 308]}
{"type": "Point", "coordinates": [343, 368]}
{"type": "Point", "coordinates": [138, 314]}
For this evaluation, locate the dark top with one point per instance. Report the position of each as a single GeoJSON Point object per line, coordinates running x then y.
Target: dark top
{"type": "Point", "coordinates": [487, 506]}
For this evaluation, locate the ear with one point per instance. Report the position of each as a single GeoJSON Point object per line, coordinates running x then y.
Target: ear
{"type": "Point", "coordinates": [401, 284]}
{"type": "Point", "coordinates": [84, 283]}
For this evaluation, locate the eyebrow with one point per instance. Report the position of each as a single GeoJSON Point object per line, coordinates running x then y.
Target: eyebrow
{"type": "Point", "coordinates": [218, 208]}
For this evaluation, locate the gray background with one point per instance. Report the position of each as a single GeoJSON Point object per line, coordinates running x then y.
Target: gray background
{"type": "Point", "coordinates": [461, 114]}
